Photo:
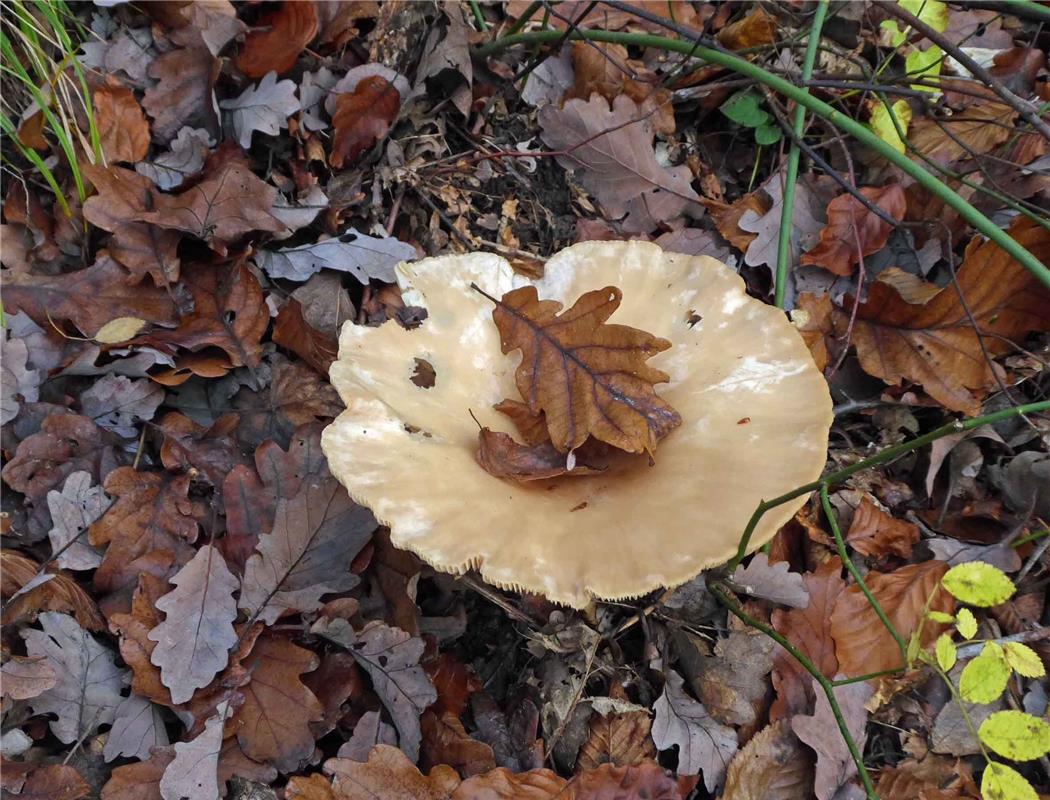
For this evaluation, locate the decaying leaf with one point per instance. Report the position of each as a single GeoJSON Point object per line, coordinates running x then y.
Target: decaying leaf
{"type": "Point", "coordinates": [278, 39]}
{"type": "Point", "coordinates": [264, 108]}
{"type": "Point", "coordinates": [703, 743]}
{"type": "Point", "coordinates": [772, 766]}
{"type": "Point", "coordinates": [774, 582]}
{"type": "Point", "coordinates": [501, 456]}
{"type": "Point", "coordinates": [88, 682]}
{"type": "Point", "coordinates": [588, 377]}
{"type": "Point", "coordinates": [391, 658]}
{"type": "Point", "coordinates": [122, 127]}
{"type": "Point", "coordinates": [835, 765]}
{"type": "Point", "coordinates": [365, 257]}
{"type": "Point", "coordinates": [25, 677]}
{"type": "Point", "coordinates": [194, 771]}
{"type": "Point", "coordinates": [73, 510]}
{"type": "Point", "coordinates": [873, 532]}
{"type": "Point", "coordinates": [853, 231]}
{"type": "Point", "coordinates": [194, 641]}
{"type": "Point", "coordinates": [362, 117]}
{"type": "Point", "coordinates": [315, 536]}
{"type": "Point", "coordinates": [184, 93]}
{"type": "Point", "coordinates": [613, 148]}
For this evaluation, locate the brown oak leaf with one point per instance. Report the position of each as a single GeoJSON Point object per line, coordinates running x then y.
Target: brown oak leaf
{"type": "Point", "coordinates": [851, 225]}
{"type": "Point", "coordinates": [184, 93]}
{"type": "Point", "coordinates": [772, 766]}
{"type": "Point", "coordinates": [25, 677]}
{"type": "Point", "coordinates": [278, 38]}
{"type": "Point", "coordinates": [935, 344]}
{"type": "Point", "coordinates": [390, 774]}
{"type": "Point", "coordinates": [445, 741]}
{"type": "Point", "coordinates": [362, 117]}
{"type": "Point", "coordinates": [55, 782]}
{"type": "Point", "coordinates": [58, 593]}
{"type": "Point", "coordinates": [875, 533]}
{"type": "Point", "coordinates": [141, 780]}
{"type": "Point", "coordinates": [502, 457]}
{"type": "Point", "coordinates": [212, 451]}
{"type": "Point", "coordinates": [587, 376]}
{"type": "Point", "coordinates": [122, 127]}
{"type": "Point", "coordinates": [755, 29]}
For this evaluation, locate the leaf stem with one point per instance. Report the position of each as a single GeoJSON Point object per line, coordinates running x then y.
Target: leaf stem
{"type": "Point", "coordinates": [787, 208]}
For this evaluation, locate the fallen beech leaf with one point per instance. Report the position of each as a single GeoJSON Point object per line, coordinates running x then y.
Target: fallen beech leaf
{"type": "Point", "coordinates": [775, 582]}
{"type": "Point", "coordinates": [48, 298]}
{"type": "Point", "coordinates": [278, 39]}
{"type": "Point", "coordinates": [703, 743]}
{"type": "Point", "coordinates": [73, 510]}
{"type": "Point", "coordinates": [932, 778]}
{"type": "Point", "coordinates": [622, 740]}
{"type": "Point", "coordinates": [194, 772]}
{"type": "Point", "coordinates": [139, 781]}
{"type": "Point", "coordinates": [851, 224]}
{"type": "Point", "coordinates": [315, 536]}
{"type": "Point", "coordinates": [25, 677]}
{"type": "Point", "coordinates": [875, 533]}
{"type": "Point", "coordinates": [293, 332]}
{"type": "Point", "coordinates": [194, 641]}
{"type": "Point", "coordinates": [772, 766]}
{"type": "Point", "coordinates": [58, 593]}
{"type": "Point", "coordinates": [264, 108]}
{"type": "Point", "coordinates": [55, 782]}
{"type": "Point", "coordinates": [184, 93]}
{"type": "Point", "coordinates": [499, 455]}
{"type": "Point", "coordinates": [391, 658]}
{"type": "Point", "coordinates": [220, 209]}
{"type": "Point", "coordinates": [935, 344]}
{"type": "Point", "coordinates": [588, 377]}
{"type": "Point", "coordinates": [599, 67]}
{"type": "Point", "coordinates": [862, 643]}
{"type": "Point", "coordinates": [364, 257]}
{"type": "Point", "coordinates": [445, 741]}
{"type": "Point", "coordinates": [137, 727]}
{"type": "Point", "coordinates": [362, 117]}
{"type": "Point", "coordinates": [122, 127]}
{"type": "Point", "coordinates": [87, 689]}
{"type": "Point", "coordinates": [835, 765]}
{"type": "Point", "coordinates": [119, 330]}
{"type": "Point", "coordinates": [391, 775]}
{"type": "Point", "coordinates": [273, 725]}
{"type": "Point", "coordinates": [757, 28]}
{"type": "Point", "coordinates": [809, 630]}
{"type": "Point", "coordinates": [974, 132]}
{"type": "Point", "coordinates": [614, 151]}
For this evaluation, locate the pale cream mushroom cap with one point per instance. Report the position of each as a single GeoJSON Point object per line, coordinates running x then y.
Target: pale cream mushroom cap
{"type": "Point", "coordinates": [756, 413]}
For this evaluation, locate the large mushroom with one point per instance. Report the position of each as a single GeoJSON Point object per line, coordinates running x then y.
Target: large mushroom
{"type": "Point", "coordinates": [755, 409]}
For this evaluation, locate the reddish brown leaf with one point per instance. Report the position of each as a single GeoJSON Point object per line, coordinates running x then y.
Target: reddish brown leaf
{"type": "Point", "coordinates": [445, 741]}
{"type": "Point", "coordinates": [141, 780]}
{"type": "Point", "coordinates": [935, 344]}
{"type": "Point", "coordinates": [932, 778]}
{"type": "Point", "coordinates": [757, 28]}
{"type": "Point", "coordinates": [183, 95]}
{"type": "Point", "coordinates": [122, 127]}
{"type": "Point", "coordinates": [772, 766]}
{"type": "Point", "coordinates": [292, 331]}
{"type": "Point", "coordinates": [389, 774]}
{"type": "Point", "coordinates": [309, 787]}
{"type": "Point", "coordinates": [56, 297]}
{"type": "Point", "coordinates": [502, 784]}
{"type": "Point", "coordinates": [59, 593]}
{"type": "Point", "coordinates": [808, 629]}
{"type": "Point", "coordinates": [278, 38]}
{"type": "Point", "coordinates": [454, 681]}
{"type": "Point", "coordinates": [135, 644]}
{"type": "Point", "coordinates": [532, 427]}
{"type": "Point", "coordinates": [622, 740]}
{"type": "Point", "coordinates": [362, 117]}
{"type": "Point", "coordinates": [727, 218]}
{"type": "Point", "coordinates": [609, 782]}
{"type": "Point", "coordinates": [587, 376]}
{"type": "Point", "coordinates": [55, 782]}
{"type": "Point", "coordinates": [499, 455]}
{"type": "Point", "coordinates": [852, 225]}
{"type": "Point", "coordinates": [862, 643]}
{"type": "Point", "coordinates": [273, 725]}
{"type": "Point", "coordinates": [812, 318]}
{"type": "Point", "coordinates": [188, 446]}
{"type": "Point", "coordinates": [147, 250]}
{"type": "Point", "coordinates": [875, 533]}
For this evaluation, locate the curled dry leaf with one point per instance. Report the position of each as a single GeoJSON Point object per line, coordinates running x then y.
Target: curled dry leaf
{"type": "Point", "coordinates": [588, 377]}
{"type": "Point", "coordinates": [122, 127]}
{"type": "Point", "coordinates": [853, 231]}
{"type": "Point", "coordinates": [935, 344]}
{"type": "Point", "coordinates": [278, 38]}
{"type": "Point", "coordinates": [183, 95]}
{"type": "Point", "coordinates": [362, 117]}
{"type": "Point", "coordinates": [875, 533]}
{"type": "Point", "coordinates": [25, 677]}
{"type": "Point", "coordinates": [19, 575]}
{"type": "Point", "coordinates": [194, 641]}
{"type": "Point", "coordinates": [862, 643]}
{"type": "Point", "coordinates": [499, 455]}
{"type": "Point", "coordinates": [772, 766]}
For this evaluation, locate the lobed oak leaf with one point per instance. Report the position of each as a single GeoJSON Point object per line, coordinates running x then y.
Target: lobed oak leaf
{"type": "Point", "coordinates": [73, 510]}
{"type": "Point", "coordinates": [588, 377]}
{"type": "Point", "coordinates": [122, 127]}
{"type": "Point", "coordinates": [137, 727]}
{"type": "Point", "coordinates": [774, 582]}
{"type": "Point", "coordinates": [309, 787]}
{"type": "Point", "coordinates": [308, 553]}
{"type": "Point", "coordinates": [273, 725]}
{"type": "Point", "coordinates": [184, 158]}
{"type": "Point", "coordinates": [835, 765]}
{"type": "Point", "coordinates": [875, 533]}
{"type": "Point", "coordinates": [42, 591]}
{"type": "Point", "coordinates": [88, 682]}
{"type": "Point", "coordinates": [733, 686]}
{"type": "Point", "coordinates": [212, 452]}
{"type": "Point", "coordinates": [369, 731]}
{"type": "Point", "coordinates": [391, 658]}
{"type": "Point", "coordinates": [278, 38]}
{"type": "Point", "coordinates": [194, 771]}
{"type": "Point", "coordinates": [194, 641]}
{"type": "Point", "coordinates": [362, 117]}
{"type": "Point", "coordinates": [862, 643]}
{"type": "Point", "coordinates": [18, 383]}
{"type": "Point", "coordinates": [613, 148]}
{"type": "Point", "coordinates": [853, 231]}
{"type": "Point", "coordinates": [445, 741]}
{"type": "Point", "coordinates": [184, 94]}
{"type": "Point", "coordinates": [117, 403]}
{"type": "Point", "coordinates": [390, 774]}
{"type": "Point", "coordinates": [935, 344]}
{"type": "Point", "coordinates": [772, 766]}
{"type": "Point", "coordinates": [364, 257]}
{"type": "Point", "coordinates": [139, 781]}
{"type": "Point", "coordinates": [25, 677]}
{"type": "Point", "coordinates": [264, 108]}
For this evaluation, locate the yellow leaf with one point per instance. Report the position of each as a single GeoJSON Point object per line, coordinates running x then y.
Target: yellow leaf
{"type": "Point", "coordinates": [940, 617]}
{"type": "Point", "coordinates": [978, 584]}
{"type": "Point", "coordinates": [966, 623]}
{"type": "Point", "coordinates": [945, 650]}
{"type": "Point", "coordinates": [119, 330]}
{"type": "Point", "coordinates": [984, 678]}
{"type": "Point", "coordinates": [1016, 735]}
{"type": "Point", "coordinates": [1000, 782]}
{"type": "Point", "coordinates": [924, 64]}
{"type": "Point", "coordinates": [881, 122]}
{"type": "Point", "coordinates": [933, 12]}
{"type": "Point", "coordinates": [1024, 660]}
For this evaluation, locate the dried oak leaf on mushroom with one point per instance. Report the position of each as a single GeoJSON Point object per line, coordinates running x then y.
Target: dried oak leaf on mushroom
{"type": "Point", "coordinates": [742, 359]}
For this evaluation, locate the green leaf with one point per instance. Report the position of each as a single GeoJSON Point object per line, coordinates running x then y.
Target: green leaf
{"type": "Point", "coordinates": [1024, 660]}
{"type": "Point", "coordinates": [881, 122]}
{"type": "Point", "coordinates": [978, 584]}
{"type": "Point", "coordinates": [945, 650]}
{"type": "Point", "coordinates": [743, 108]}
{"type": "Point", "coordinates": [985, 677]}
{"type": "Point", "coordinates": [1001, 782]}
{"type": "Point", "coordinates": [1016, 735]}
{"type": "Point", "coordinates": [966, 623]}
{"type": "Point", "coordinates": [933, 12]}
{"type": "Point", "coordinates": [894, 35]}
{"type": "Point", "coordinates": [941, 617]}
{"type": "Point", "coordinates": [924, 64]}
{"type": "Point", "coordinates": [767, 134]}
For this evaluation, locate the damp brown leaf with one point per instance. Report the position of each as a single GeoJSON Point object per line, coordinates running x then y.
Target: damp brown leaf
{"type": "Point", "coordinates": [587, 376]}
{"type": "Point", "coordinates": [499, 455]}
{"type": "Point", "coordinates": [853, 231]}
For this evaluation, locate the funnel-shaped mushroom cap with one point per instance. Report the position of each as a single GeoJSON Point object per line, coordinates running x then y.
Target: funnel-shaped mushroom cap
{"type": "Point", "coordinates": [755, 418]}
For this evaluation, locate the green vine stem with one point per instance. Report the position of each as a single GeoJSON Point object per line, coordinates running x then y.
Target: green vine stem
{"type": "Point", "coordinates": [825, 683]}
{"type": "Point", "coordinates": [840, 544]}
{"type": "Point", "coordinates": [787, 208]}
{"type": "Point", "coordinates": [883, 456]}
{"type": "Point", "coordinates": [804, 98]}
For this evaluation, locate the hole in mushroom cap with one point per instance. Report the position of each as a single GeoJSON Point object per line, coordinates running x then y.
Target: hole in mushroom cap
{"type": "Point", "coordinates": [424, 376]}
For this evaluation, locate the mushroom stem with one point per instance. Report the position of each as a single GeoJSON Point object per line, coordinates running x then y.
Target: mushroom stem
{"type": "Point", "coordinates": [881, 457]}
